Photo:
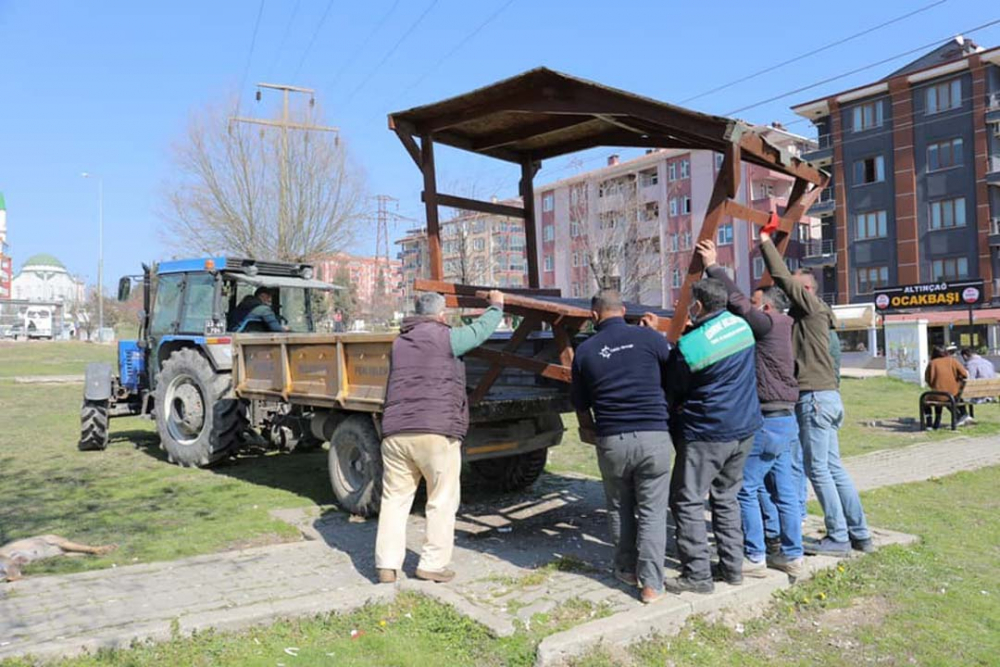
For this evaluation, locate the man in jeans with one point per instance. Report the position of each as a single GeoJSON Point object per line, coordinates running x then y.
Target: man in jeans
{"type": "Point", "coordinates": [820, 411]}
{"type": "Point", "coordinates": [425, 419]}
{"type": "Point", "coordinates": [771, 453]}
{"type": "Point", "coordinates": [712, 390]}
{"type": "Point", "coordinates": [617, 391]}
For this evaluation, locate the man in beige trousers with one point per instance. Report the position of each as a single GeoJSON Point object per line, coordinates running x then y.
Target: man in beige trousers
{"type": "Point", "coordinates": [425, 419]}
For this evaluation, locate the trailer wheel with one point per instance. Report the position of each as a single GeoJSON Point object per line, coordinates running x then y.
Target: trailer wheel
{"type": "Point", "coordinates": [93, 426]}
{"type": "Point", "coordinates": [198, 425]}
{"type": "Point", "coordinates": [511, 473]}
{"type": "Point", "coordinates": [356, 465]}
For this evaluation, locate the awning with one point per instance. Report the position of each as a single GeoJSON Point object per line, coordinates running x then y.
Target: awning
{"type": "Point", "coordinates": [283, 281]}
{"type": "Point", "coordinates": [855, 316]}
{"type": "Point", "coordinates": [941, 317]}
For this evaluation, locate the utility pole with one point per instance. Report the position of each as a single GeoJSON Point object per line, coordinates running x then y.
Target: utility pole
{"type": "Point", "coordinates": [285, 124]}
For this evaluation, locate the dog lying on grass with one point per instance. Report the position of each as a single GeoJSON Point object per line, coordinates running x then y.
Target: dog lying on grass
{"type": "Point", "coordinates": [17, 554]}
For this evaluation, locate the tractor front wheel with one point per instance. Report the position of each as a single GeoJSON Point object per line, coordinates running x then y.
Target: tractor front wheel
{"type": "Point", "coordinates": [198, 424]}
{"type": "Point", "coordinates": [93, 426]}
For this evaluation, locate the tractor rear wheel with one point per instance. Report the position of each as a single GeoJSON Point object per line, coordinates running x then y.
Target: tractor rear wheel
{"type": "Point", "coordinates": [93, 426]}
{"type": "Point", "coordinates": [198, 424]}
{"type": "Point", "coordinates": [511, 473]}
{"type": "Point", "coordinates": [356, 465]}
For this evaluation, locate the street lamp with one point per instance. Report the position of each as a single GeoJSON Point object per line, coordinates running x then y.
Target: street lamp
{"type": "Point", "coordinates": [100, 253]}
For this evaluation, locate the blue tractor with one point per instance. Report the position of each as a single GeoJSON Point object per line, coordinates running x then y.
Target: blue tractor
{"type": "Point", "coordinates": [178, 371]}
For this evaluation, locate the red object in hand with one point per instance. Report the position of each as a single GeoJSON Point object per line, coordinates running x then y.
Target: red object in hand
{"type": "Point", "coordinates": [772, 224]}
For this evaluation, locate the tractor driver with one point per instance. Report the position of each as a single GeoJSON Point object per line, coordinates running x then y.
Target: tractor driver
{"type": "Point", "coordinates": [255, 314]}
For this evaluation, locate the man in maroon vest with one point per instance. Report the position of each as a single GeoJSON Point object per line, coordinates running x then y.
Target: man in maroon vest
{"type": "Point", "coordinates": [424, 421]}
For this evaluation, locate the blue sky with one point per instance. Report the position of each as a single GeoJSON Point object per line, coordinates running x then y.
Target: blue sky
{"type": "Point", "coordinates": [107, 87]}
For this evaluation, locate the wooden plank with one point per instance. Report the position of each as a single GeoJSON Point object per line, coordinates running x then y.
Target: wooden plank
{"type": "Point", "coordinates": [410, 145]}
{"type": "Point", "coordinates": [527, 189]}
{"type": "Point", "coordinates": [799, 201]}
{"type": "Point", "coordinates": [528, 325]}
{"type": "Point", "coordinates": [756, 146]}
{"type": "Point", "coordinates": [431, 206]}
{"type": "Point", "coordinates": [551, 371]}
{"type": "Point", "coordinates": [442, 287]}
{"type": "Point", "coordinates": [467, 204]}
{"type": "Point", "coordinates": [737, 210]}
{"type": "Point", "coordinates": [734, 168]}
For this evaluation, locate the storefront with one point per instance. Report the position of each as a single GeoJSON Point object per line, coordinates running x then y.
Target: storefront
{"type": "Point", "coordinates": [952, 311]}
{"type": "Point", "coordinates": [857, 326]}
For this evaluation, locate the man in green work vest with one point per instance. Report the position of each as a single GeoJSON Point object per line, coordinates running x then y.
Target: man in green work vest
{"type": "Point", "coordinates": [712, 390]}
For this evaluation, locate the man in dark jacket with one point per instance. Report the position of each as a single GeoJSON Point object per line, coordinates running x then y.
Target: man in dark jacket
{"type": "Point", "coordinates": [254, 313]}
{"type": "Point", "coordinates": [424, 420]}
{"type": "Point", "coordinates": [819, 410]}
{"type": "Point", "coordinates": [712, 390]}
{"type": "Point", "coordinates": [771, 453]}
{"type": "Point", "coordinates": [618, 389]}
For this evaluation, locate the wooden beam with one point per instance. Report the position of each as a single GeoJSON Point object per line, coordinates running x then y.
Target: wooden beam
{"type": "Point", "coordinates": [756, 146]}
{"type": "Point", "coordinates": [441, 287]}
{"type": "Point", "coordinates": [410, 145]}
{"type": "Point", "coordinates": [551, 371]}
{"type": "Point", "coordinates": [527, 188]}
{"type": "Point", "coordinates": [431, 207]}
{"type": "Point", "coordinates": [530, 131]}
{"type": "Point", "coordinates": [737, 210]}
{"type": "Point", "coordinates": [527, 325]}
{"type": "Point", "coordinates": [467, 204]}
{"type": "Point", "coordinates": [734, 170]}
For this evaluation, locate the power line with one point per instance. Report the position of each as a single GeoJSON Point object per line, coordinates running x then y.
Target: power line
{"type": "Point", "coordinates": [312, 40]}
{"type": "Point", "coordinates": [284, 37]}
{"type": "Point", "coordinates": [863, 68]}
{"type": "Point", "coordinates": [808, 54]}
{"type": "Point", "coordinates": [364, 43]}
{"type": "Point", "coordinates": [465, 40]}
{"type": "Point", "coordinates": [253, 42]}
{"type": "Point", "coordinates": [391, 51]}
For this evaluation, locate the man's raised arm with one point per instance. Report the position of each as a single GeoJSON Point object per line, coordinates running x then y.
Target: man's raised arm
{"type": "Point", "coordinates": [739, 304]}
{"type": "Point", "coordinates": [472, 335]}
{"type": "Point", "coordinates": [797, 293]}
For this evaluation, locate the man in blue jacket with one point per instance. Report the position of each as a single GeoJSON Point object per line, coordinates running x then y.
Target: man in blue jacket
{"type": "Point", "coordinates": [617, 390]}
{"type": "Point", "coordinates": [712, 389]}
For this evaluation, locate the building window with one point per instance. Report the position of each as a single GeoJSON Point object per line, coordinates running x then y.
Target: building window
{"type": "Point", "coordinates": [763, 190]}
{"type": "Point", "coordinates": [950, 269]}
{"type": "Point", "coordinates": [948, 213]}
{"type": "Point", "coordinates": [867, 116]}
{"type": "Point", "coordinates": [758, 268]}
{"type": "Point", "coordinates": [548, 202]}
{"type": "Point", "coordinates": [686, 241]}
{"type": "Point", "coordinates": [944, 96]}
{"type": "Point", "coordinates": [576, 259]}
{"type": "Point", "coordinates": [686, 208]}
{"type": "Point", "coordinates": [673, 242]}
{"type": "Point", "coordinates": [672, 171]}
{"type": "Point", "coordinates": [549, 233]}
{"type": "Point", "coordinates": [685, 168]}
{"type": "Point", "coordinates": [869, 170]}
{"type": "Point", "coordinates": [575, 287]}
{"type": "Point", "coordinates": [803, 233]}
{"type": "Point", "coordinates": [871, 225]}
{"type": "Point", "coordinates": [479, 244]}
{"type": "Point", "coordinates": [673, 207]}
{"type": "Point", "coordinates": [792, 263]}
{"type": "Point", "coordinates": [719, 157]}
{"type": "Point", "coordinates": [871, 277]}
{"type": "Point", "coordinates": [944, 154]}
{"type": "Point", "coordinates": [675, 278]}
{"type": "Point", "coordinates": [724, 235]}
{"type": "Point", "coordinates": [574, 229]}
{"type": "Point", "coordinates": [651, 211]}
{"type": "Point", "coordinates": [548, 263]}
{"type": "Point", "coordinates": [649, 177]}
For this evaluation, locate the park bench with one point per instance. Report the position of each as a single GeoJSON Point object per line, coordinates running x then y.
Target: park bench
{"type": "Point", "coordinates": [971, 389]}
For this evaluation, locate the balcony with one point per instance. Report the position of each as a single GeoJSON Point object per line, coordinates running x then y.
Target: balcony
{"type": "Point", "coordinates": [993, 107]}
{"type": "Point", "coordinates": [993, 169]}
{"type": "Point", "coordinates": [825, 205]}
{"type": "Point", "coordinates": [822, 155]}
{"type": "Point", "coordinates": [818, 253]}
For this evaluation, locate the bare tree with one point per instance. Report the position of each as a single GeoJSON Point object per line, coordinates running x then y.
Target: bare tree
{"type": "Point", "coordinates": [467, 236]}
{"type": "Point", "coordinates": [278, 193]}
{"type": "Point", "coordinates": [621, 238]}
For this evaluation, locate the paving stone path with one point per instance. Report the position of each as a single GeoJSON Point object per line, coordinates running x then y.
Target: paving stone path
{"type": "Point", "coordinates": [515, 557]}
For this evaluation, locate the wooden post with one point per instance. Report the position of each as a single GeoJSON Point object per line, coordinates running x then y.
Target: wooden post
{"type": "Point", "coordinates": [530, 232]}
{"type": "Point", "coordinates": [431, 204]}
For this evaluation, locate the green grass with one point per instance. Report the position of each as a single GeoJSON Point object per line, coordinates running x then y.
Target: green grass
{"type": "Point", "coordinates": [931, 604]}
{"type": "Point", "coordinates": [883, 400]}
{"type": "Point", "coordinates": [46, 358]}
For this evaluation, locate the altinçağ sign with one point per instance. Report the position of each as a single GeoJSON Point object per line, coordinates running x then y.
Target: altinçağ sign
{"type": "Point", "coordinates": [957, 294]}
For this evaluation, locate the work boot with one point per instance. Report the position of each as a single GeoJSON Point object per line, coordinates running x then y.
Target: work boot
{"type": "Point", "coordinates": [795, 568]}
{"type": "Point", "coordinates": [827, 547]}
{"type": "Point", "coordinates": [439, 576]}
{"type": "Point", "coordinates": [772, 545]}
{"type": "Point", "coordinates": [864, 546]}
{"type": "Point", "coordinates": [386, 576]}
{"type": "Point", "coordinates": [627, 578]}
{"type": "Point", "coordinates": [650, 595]}
{"type": "Point", "coordinates": [682, 584]}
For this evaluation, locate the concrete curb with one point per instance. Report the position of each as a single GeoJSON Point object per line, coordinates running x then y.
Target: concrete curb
{"type": "Point", "coordinates": [669, 615]}
{"type": "Point", "coordinates": [497, 625]}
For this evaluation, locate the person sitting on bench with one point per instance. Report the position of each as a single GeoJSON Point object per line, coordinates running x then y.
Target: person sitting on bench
{"type": "Point", "coordinates": [945, 374]}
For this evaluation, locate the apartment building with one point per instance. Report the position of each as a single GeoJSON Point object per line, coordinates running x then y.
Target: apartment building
{"type": "Point", "coordinates": [476, 249]}
{"type": "Point", "coordinates": [376, 280]}
{"type": "Point", "coordinates": [632, 225]}
{"type": "Point", "coordinates": [915, 193]}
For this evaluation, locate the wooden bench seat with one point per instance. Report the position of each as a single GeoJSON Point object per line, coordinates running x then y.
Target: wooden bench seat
{"type": "Point", "coordinates": [971, 389]}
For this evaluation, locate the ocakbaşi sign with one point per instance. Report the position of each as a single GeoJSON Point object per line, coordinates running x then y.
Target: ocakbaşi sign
{"type": "Point", "coordinates": [957, 294]}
